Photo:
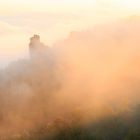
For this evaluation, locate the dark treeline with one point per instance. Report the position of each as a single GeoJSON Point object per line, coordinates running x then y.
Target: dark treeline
{"type": "Point", "coordinates": [124, 126]}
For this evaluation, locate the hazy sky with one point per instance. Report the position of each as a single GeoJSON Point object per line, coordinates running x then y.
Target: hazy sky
{"type": "Point", "coordinates": [53, 20]}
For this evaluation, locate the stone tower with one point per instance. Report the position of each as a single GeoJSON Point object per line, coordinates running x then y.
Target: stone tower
{"type": "Point", "coordinates": [36, 48]}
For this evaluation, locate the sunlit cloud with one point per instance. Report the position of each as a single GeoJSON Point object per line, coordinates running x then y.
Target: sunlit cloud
{"type": "Point", "coordinates": [55, 19]}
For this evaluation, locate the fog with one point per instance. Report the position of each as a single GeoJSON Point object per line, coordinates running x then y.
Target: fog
{"type": "Point", "coordinates": [90, 75]}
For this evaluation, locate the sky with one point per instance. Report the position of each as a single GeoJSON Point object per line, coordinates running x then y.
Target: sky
{"type": "Point", "coordinates": [53, 20]}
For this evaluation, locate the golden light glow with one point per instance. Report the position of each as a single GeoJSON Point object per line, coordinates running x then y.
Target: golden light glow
{"type": "Point", "coordinates": [54, 19]}
{"type": "Point", "coordinates": [15, 6]}
{"type": "Point", "coordinates": [130, 4]}
{"type": "Point", "coordinates": [55, 6]}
